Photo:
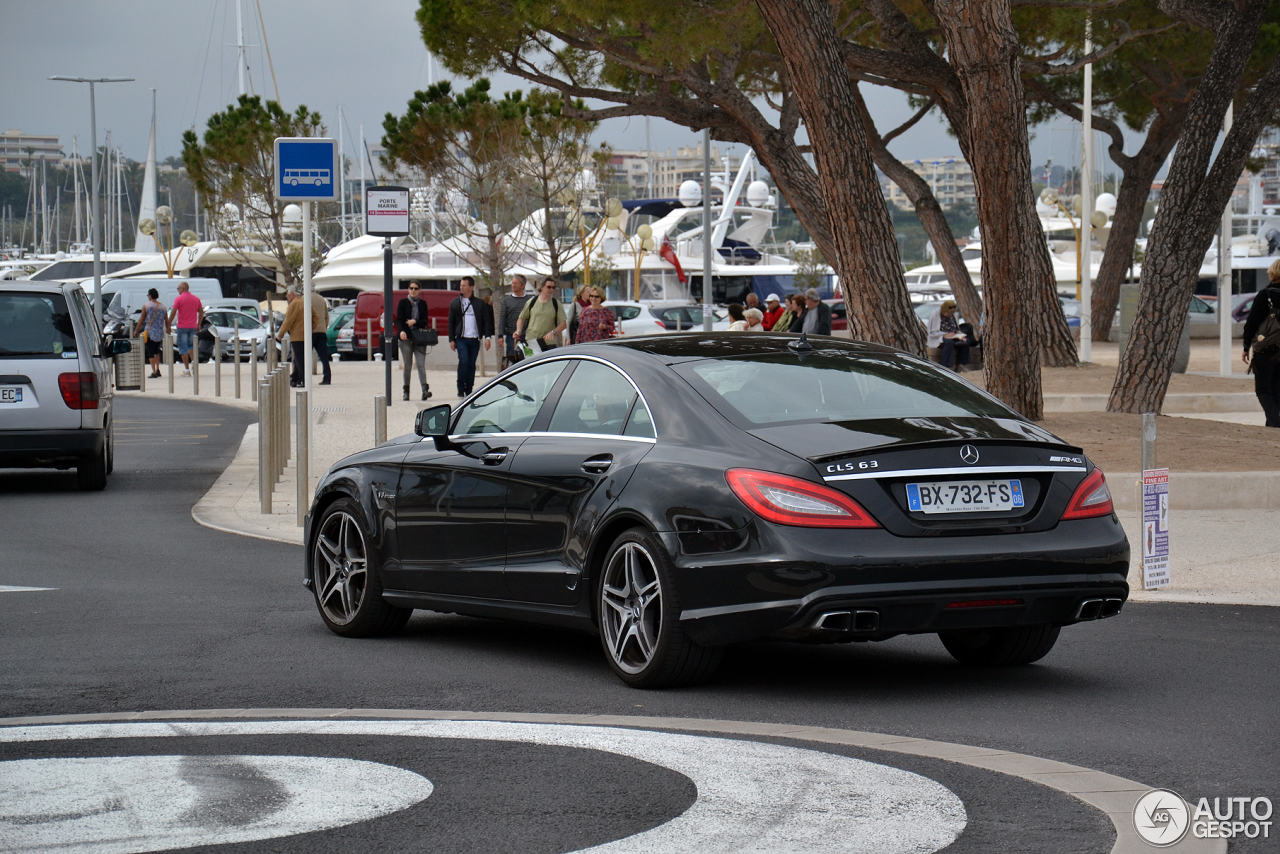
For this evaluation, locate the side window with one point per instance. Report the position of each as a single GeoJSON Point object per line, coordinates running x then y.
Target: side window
{"type": "Point", "coordinates": [595, 400]}
{"type": "Point", "coordinates": [626, 312]}
{"type": "Point", "coordinates": [640, 424]}
{"type": "Point", "coordinates": [511, 404]}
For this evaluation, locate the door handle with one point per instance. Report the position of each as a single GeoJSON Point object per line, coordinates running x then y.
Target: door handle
{"type": "Point", "coordinates": [494, 458]}
{"type": "Point", "coordinates": [598, 465]}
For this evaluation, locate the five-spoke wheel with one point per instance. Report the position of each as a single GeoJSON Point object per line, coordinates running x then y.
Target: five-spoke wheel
{"type": "Point", "coordinates": [639, 628]}
{"type": "Point", "coordinates": [343, 579]}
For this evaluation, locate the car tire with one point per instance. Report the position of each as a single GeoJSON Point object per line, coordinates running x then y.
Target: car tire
{"type": "Point", "coordinates": [91, 473]}
{"type": "Point", "coordinates": [645, 645]}
{"type": "Point", "coordinates": [1001, 647]}
{"type": "Point", "coordinates": [345, 581]}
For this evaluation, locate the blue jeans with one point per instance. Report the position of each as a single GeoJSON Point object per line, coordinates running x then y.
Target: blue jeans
{"type": "Point", "coordinates": [185, 337]}
{"type": "Point", "coordinates": [468, 352]}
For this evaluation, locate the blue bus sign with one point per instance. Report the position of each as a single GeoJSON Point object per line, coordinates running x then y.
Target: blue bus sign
{"type": "Point", "coordinates": [306, 169]}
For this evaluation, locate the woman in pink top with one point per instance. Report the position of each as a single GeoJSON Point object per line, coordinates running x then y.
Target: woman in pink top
{"type": "Point", "coordinates": [596, 322]}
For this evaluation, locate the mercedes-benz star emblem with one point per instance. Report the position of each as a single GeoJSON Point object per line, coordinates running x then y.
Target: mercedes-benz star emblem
{"type": "Point", "coordinates": [969, 454]}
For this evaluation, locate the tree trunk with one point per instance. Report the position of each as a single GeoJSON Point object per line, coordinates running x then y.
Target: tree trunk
{"type": "Point", "coordinates": [1195, 194]}
{"type": "Point", "coordinates": [983, 47]}
{"type": "Point", "coordinates": [931, 217]}
{"type": "Point", "coordinates": [866, 255]}
{"type": "Point", "coordinates": [1131, 203]}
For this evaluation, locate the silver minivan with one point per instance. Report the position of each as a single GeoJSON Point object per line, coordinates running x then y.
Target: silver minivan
{"type": "Point", "coordinates": [55, 382]}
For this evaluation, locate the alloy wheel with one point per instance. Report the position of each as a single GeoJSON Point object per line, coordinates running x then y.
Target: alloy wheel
{"type": "Point", "coordinates": [340, 568]}
{"type": "Point", "coordinates": [631, 612]}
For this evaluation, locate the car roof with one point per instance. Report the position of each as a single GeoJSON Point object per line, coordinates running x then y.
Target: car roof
{"type": "Point", "coordinates": [680, 347]}
{"type": "Point", "coordinates": [30, 285]}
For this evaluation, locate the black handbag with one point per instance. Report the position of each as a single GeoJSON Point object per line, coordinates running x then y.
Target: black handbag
{"type": "Point", "coordinates": [424, 337]}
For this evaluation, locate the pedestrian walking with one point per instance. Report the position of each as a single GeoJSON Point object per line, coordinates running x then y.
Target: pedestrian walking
{"type": "Point", "coordinates": [294, 325]}
{"type": "Point", "coordinates": [737, 318]}
{"type": "Point", "coordinates": [411, 328]}
{"type": "Point", "coordinates": [320, 334]}
{"type": "Point", "coordinates": [189, 313]}
{"type": "Point", "coordinates": [470, 319]}
{"type": "Point", "coordinates": [542, 319]}
{"type": "Point", "coordinates": [1262, 345]}
{"type": "Point", "coordinates": [508, 316]}
{"type": "Point", "coordinates": [152, 326]}
{"type": "Point", "coordinates": [597, 323]}
{"type": "Point", "coordinates": [577, 305]}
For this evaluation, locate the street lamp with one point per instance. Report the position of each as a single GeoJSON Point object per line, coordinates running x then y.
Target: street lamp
{"type": "Point", "coordinates": [93, 186]}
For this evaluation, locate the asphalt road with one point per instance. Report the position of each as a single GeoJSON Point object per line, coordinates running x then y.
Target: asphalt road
{"type": "Point", "coordinates": [151, 611]}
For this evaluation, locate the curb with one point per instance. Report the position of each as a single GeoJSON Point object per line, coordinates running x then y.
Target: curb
{"type": "Point", "coordinates": [1174, 404]}
{"type": "Point", "coordinates": [1108, 793]}
{"type": "Point", "coordinates": [1194, 490]}
{"type": "Point", "coordinates": [217, 508]}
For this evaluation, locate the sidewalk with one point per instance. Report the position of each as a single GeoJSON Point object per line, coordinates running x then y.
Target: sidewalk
{"type": "Point", "coordinates": [1219, 555]}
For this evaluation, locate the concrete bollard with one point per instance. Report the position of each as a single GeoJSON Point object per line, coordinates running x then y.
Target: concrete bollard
{"type": "Point", "coordinates": [303, 473]}
{"type": "Point", "coordinates": [235, 354]}
{"type": "Point", "coordinates": [368, 338]}
{"type": "Point", "coordinates": [195, 367]}
{"type": "Point", "coordinates": [253, 369]}
{"type": "Point", "coordinates": [379, 419]}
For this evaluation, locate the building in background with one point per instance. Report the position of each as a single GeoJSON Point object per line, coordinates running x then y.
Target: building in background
{"type": "Point", "coordinates": [950, 178]}
{"type": "Point", "coordinates": [17, 148]}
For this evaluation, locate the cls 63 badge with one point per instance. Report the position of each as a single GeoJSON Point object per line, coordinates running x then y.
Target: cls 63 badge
{"type": "Point", "coordinates": [865, 465]}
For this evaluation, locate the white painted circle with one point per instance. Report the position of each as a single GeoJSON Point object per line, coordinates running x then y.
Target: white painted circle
{"type": "Point", "coordinates": [118, 804]}
{"type": "Point", "coordinates": [752, 796]}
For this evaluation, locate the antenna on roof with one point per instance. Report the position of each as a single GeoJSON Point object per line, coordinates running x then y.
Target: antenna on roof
{"type": "Point", "coordinates": [801, 344]}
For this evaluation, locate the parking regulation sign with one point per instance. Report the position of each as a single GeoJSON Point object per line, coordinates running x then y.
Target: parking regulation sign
{"type": "Point", "coordinates": [306, 169]}
{"type": "Point", "coordinates": [386, 211]}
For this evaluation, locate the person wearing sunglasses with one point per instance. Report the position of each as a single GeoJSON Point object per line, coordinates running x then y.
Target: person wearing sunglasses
{"type": "Point", "coordinates": [411, 315]}
{"type": "Point", "coordinates": [596, 323]}
{"type": "Point", "coordinates": [543, 319]}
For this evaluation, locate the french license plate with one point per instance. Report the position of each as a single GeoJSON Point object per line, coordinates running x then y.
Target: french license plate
{"type": "Point", "coordinates": [344, 346]}
{"type": "Point", "coordinates": [967, 496]}
{"type": "Point", "coordinates": [10, 394]}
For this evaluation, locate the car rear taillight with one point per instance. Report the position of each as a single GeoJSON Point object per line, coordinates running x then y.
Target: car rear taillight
{"type": "Point", "coordinates": [1092, 498]}
{"type": "Point", "coordinates": [793, 501]}
{"type": "Point", "coordinates": [661, 325]}
{"type": "Point", "coordinates": [79, 390]}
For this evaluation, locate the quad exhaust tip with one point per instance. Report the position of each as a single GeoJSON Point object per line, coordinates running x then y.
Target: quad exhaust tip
{"type": "Point", "coordinates": [1097, 609]}
{"type": "Point", "coordinates": [847, 621]}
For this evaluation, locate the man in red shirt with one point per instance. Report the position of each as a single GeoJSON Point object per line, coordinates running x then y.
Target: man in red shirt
{"type": "Point", "coordinates": [772, 311]}
{"type": "Point", "coordinates": [189, 311]}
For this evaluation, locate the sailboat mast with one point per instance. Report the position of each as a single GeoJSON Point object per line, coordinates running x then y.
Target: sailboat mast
{"type": "Point", "coordinates": [240, 48]}
{"type": "Point", "coordinates": [342, 182]}
{"type": "Point", "coordinates": [362, 193]}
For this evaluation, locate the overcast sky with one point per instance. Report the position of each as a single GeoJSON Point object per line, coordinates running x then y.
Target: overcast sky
{"type": "Point", "coordinates": [365, 57]}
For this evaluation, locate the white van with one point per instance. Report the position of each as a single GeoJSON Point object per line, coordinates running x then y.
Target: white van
{"type": "Point", "coordinates": [55, 382]}
{"type": "Point", "coordinates": [122, 299]}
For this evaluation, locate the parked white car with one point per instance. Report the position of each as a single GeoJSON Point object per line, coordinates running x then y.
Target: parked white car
{"type": "Point", "coordinates": [55, 382]}
{"type": "Point", "coordinates": [253, 334]}
{"type": "Point", "coordinates": [642, 318]}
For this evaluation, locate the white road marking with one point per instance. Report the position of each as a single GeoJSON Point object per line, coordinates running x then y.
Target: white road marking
{"type": "Point", "coordinates": [6, 588]}
{"type": "Point", "coordinates": [120, 804]}
{"type": "Point", "coordinates": [752, 796]}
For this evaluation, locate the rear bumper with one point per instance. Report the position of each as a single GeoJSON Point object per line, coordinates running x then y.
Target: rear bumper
{"type": "Point", "coordinates": [781, 582]}
{"type": "Point", "coordinates": [48, 448]}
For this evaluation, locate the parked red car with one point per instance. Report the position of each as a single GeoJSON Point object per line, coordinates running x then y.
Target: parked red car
{"type": "Point", "coordinates": [369, 308]}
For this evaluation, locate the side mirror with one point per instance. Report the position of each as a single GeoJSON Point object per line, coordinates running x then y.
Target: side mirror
{"type": "Point", "coordinates": [433, 421]}
{"type": "Point", "coordinates": [120, 345]}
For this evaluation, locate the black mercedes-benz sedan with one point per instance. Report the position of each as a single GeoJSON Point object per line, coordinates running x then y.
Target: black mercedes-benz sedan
{"type": "Point", "coordinates": [678, 493]}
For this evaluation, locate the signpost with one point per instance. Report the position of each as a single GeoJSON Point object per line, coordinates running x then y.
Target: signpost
{"type": "Point", "coordinates": [386, 215]}
{"type": "Point", "coordinates": [306, 172]}
{"type": "Point", "coordinates": [1155, 528]}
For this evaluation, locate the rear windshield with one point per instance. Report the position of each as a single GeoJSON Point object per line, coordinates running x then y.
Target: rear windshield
{"type": "Point", "coordinates": [834, 385]}
{"type": "Point", "coordinates": [34, 326]}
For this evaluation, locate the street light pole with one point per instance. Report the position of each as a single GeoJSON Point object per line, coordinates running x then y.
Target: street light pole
{"type": "Point", "coordinates": [94, 224]}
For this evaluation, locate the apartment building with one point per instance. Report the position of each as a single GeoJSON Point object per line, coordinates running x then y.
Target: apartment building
{"type": "Point", "coordinates": [16, 148]}
{"type": "Point", "coordinates": [950, 178]}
